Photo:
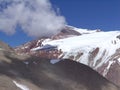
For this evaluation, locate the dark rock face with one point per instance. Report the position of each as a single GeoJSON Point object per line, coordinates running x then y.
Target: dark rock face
{"type": "Point", "coordinates": [118, 36]}
{"type": "Point", "coordinates": [114, 73]}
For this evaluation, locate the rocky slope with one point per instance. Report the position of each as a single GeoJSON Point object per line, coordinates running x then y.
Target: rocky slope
{"type": "Point", "coordinates": [34, 73]}
{"type": "Point", "coordinates": [4, 46]}
{"type": "Point", "coordinates": [97, 49]}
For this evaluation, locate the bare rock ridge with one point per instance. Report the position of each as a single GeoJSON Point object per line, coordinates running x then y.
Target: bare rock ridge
{"type": "Point", "coordinates": [97, 49]}
{"type": "Point", "coordinates": [5, 46]}
{"type": "Point", "coordinates": [66, 32]}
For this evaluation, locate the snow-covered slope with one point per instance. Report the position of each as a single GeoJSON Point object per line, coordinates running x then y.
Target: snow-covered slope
{"type": "Point", "coordinates": [103, 42]}
{"type": "Point", "coordinates": [97, 49]}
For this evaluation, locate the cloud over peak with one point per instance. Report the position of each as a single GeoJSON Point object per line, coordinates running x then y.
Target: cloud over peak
{"type": "Point", "coordinates": [36, 17]}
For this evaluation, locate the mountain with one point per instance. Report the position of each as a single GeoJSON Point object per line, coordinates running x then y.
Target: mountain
{"type": "Point", "coordinates": [21, 72]}
{"type": "Point", "coordinates": [34, 73]}
{"type": "Point", "coordinates": [94, 48]}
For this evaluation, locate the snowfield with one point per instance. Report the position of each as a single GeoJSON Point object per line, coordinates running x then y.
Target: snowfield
{"type": "Point", "coordinates": [86, 43]}
{"type": "Point", "coordinates": [21, 86]}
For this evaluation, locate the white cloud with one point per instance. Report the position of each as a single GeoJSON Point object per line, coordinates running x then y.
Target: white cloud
{"type": "Point", "coordinates": [36, 17]}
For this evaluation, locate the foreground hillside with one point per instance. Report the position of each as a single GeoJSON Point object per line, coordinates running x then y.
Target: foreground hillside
{"type": "Point", "coordinates": [42, 75]}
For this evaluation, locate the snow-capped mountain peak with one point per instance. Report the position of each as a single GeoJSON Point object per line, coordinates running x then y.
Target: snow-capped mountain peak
{"type": "Point", "coordinates": [95, 48]}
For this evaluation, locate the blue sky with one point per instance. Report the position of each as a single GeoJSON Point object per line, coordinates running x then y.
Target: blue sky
{"type": "Point", "coordinates": [89, 14]}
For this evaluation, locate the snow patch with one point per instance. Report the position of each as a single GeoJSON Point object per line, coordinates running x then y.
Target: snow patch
{"type": "Point", "coordinates": [108, 67]}
{"type": "Point", "coordinates": [21, 86]}
{"type": "Point", "coordinates": [1, 48]}
{"type": "Point", "coordinates": [38, 42]}
{"type": "Point", "coordinates": [54, 61]}
{"type": "Point", "coordinates": [118, 59]}
{"type": "Point", "coordinates": [26, 62]}
{"type": "Point", "coordinates": [35, 49]}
